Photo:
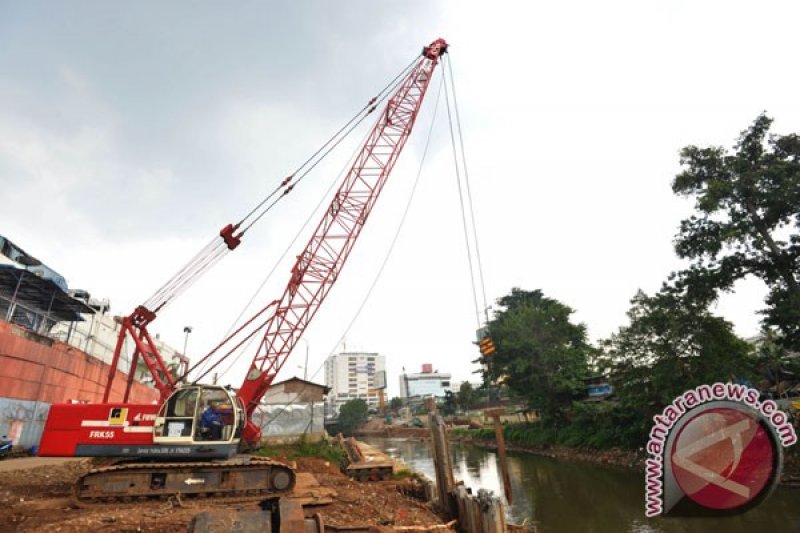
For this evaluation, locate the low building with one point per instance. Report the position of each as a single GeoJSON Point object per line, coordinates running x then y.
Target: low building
{"type": "Point", "coordinates": [292, 408]}
{"type": "Point", "coordinates": [597, 389]}
{"type": "Point", "coordinates": [429, 382]}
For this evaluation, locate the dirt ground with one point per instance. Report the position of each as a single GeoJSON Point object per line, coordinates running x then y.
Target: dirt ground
{"type": "Point", "coordinates": [37, 498]}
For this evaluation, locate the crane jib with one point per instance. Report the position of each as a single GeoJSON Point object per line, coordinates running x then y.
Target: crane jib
{"type": "Point", "coordinates": [321, 261]}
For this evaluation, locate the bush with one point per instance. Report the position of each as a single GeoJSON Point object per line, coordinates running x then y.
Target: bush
{"type": "Point", "coordinates": [403, 473]}
{"type": "Point", "coordinates": [596, 426]}
{"type": "Point", "coordinates": [322, 449]}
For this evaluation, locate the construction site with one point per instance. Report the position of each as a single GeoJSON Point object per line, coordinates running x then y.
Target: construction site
{"type": "Point", "coordinates": [40, 498]}
{"type": "Point", "coordinates": [132, 435]}
{"type": "Point", "coordinates": [308, 336]}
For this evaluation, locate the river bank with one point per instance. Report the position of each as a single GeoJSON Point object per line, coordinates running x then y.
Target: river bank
{"type": "Point", "coordinates": [790, 475]}
{"type": "Point", "coordinates": [556, 494]}
{"type": "Point", "coordinates": [613, 457]}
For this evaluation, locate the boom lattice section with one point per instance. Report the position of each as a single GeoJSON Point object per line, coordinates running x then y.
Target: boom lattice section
{"type": "Point", "coordinates": [320, 263]}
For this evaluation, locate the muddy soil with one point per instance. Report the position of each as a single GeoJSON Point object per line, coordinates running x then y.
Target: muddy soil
{"type": "Point", "coordinates": [38, 499]}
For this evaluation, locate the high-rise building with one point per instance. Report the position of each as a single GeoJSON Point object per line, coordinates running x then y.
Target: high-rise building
{"type": "Point", "coordinates": [426, 383]}
{"type": "Point", "coordinates": [353, 375]}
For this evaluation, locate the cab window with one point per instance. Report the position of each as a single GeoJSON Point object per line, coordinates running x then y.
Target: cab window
{"type": "Point", "coordinates": [215, 416]}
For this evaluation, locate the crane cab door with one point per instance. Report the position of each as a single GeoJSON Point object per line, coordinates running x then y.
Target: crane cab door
{"type": "Point", "coordinates": [199, 414]}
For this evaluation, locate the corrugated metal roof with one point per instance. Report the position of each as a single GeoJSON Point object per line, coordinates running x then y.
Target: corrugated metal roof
{"type": "Point", "coordinates": [40, 294]}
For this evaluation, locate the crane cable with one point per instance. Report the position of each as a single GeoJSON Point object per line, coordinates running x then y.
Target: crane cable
{"type": "Point", "coordinates": [469, 191]}
{"type": "Point", "coordinates": [464, 223]}
{"type": "Point", "coordinates": [461, 202]}
{"type": "Point", "coordinates": [385, 259]}
{"type": "Point", "coordinates": [218, 247]}
{"type": "Point", "coordinates": [330, 144]}
{"type": "Point", "coordinates": [202, 371]}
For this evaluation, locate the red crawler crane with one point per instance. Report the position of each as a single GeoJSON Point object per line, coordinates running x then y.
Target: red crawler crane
{"type": "Point", "coordinates": [196, 422]}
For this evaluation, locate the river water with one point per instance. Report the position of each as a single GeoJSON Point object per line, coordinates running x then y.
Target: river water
{"type": "Point", "coordinates": [562, 496]}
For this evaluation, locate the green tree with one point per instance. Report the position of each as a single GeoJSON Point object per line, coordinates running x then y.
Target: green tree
{"type": "Point", "coordinates": [747, 221]}
{"type": "Point", "coordinates": [541, 355]}
{"type": "Point", "coordinates": [671, 344]}
{"type": "Point", "coordinates": [352, 415]}
{"type": "Point", "coordinates": [467, 396]}
{"type": "Point", "coordinates": [395, 403]}
{"type": "Point", "coordinates": [448, 404]}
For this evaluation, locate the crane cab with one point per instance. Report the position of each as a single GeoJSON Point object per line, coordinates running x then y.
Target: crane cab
{"type": "Point", "coordinates": [199, 414]}
{"type": "Point", "coordinates": [195, 422]}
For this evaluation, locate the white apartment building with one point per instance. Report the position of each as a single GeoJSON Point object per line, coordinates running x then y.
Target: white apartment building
{"type": "Point", "coordinates": [353, 375]}
{"type": "Point", "coordinates": [426, 383]}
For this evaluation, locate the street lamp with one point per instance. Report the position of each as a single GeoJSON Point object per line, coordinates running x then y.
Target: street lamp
{"type": "Point", "coordinates": [187, 330]}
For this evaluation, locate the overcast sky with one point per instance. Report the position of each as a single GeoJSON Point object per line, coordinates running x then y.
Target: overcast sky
{"type": "Point", "coordinates": [130, 133]}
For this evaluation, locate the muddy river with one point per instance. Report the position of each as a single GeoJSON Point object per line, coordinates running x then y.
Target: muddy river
{"type": "Point", "coordinates": [561, 496]}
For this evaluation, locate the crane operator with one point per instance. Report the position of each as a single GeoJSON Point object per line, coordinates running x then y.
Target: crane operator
{"type": "Point", "coordinates": [211, 422]}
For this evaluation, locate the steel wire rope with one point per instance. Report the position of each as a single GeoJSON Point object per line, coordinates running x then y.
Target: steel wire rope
{"type": "Point", "coordinates": [196, 266]}
{"type": "Point", "coordinates": [186, 279]}
{"type": "Point", "coordinates": [338, 137]}
{"type": "Point", "coordinates": [373, 103]}
{"type": "Point", "coordinates": [371, 106]}
{"type": "Point", "coordinates": [385, 259]}
{"type": "Point", "coordinates": [461, 202]}
{"type": "Point", "coordinates": [288, 248]}
{"type": "Point", "coordinates": [242, 346]}
{"type": "Point", "coordinates": [266, 279]}
{"type": "Point", "coordinates": [204, 252]}
{"type": "Point", "coordinates": [449, 62]}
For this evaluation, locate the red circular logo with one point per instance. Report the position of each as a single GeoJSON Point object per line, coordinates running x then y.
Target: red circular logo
{"type": "Point", "coordinates": [723, 458]}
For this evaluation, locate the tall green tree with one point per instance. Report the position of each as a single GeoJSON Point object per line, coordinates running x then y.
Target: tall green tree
{"type": "Point", "coordinates": [448, 404]}
{"type": "Point", "coordinates": [467, 396]}
{"type": "Point", "coordinates": [671, 344]}
{"type": "Point", "coordinates": [396, 403]}
{"type": "Point", "coordinates": [747, 221]}
{"type": "Point", "coordinates": [352, 415]}
{"type": "Point", "coordinates": [541, 354]}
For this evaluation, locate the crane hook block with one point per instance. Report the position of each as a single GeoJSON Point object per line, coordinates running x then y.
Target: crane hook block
{"type": "Point", "coordinates": [230, 239]}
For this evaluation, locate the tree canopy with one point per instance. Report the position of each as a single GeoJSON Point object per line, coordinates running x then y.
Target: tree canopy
{"type": "Point", "coordinates": [448, 403]}
{"type": "Point", "coordinates": [541, 355]}
{"type": "Point", "coordinates": [467, 396]}
{"type": "Point", "coordinates": [671, 345]}
{"type": "Point", "coordinates": [747, 221]}
{"type": "Point", "coordinates": [352, 415]}
{"type": "Point", "coordinates": [395, 403]}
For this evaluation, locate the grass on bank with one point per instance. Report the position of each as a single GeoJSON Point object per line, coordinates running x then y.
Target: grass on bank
{"type": "Point", "coordinates": [322, 449]}
{"type": "Point", "coordinates": [403, 473]}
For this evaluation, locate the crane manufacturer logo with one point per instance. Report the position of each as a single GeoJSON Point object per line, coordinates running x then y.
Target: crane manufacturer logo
{"type": "Point", "coordinates": [715, 450]}
{"type": "Point", "coordinates": [144, 417]}
{"type": "Point", "coordinates": [117, 416]}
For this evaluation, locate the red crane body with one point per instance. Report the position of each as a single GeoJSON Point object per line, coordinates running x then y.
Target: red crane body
{"type": "Point", "coordinates": [174, 428]}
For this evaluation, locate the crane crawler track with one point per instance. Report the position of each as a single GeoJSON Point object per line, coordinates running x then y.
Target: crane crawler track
{"type": "Point", "coordinates": [251, 477]}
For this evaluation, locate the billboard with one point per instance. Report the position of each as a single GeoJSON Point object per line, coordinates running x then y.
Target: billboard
{"type": "Point", "coordinates": [380, 380]}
